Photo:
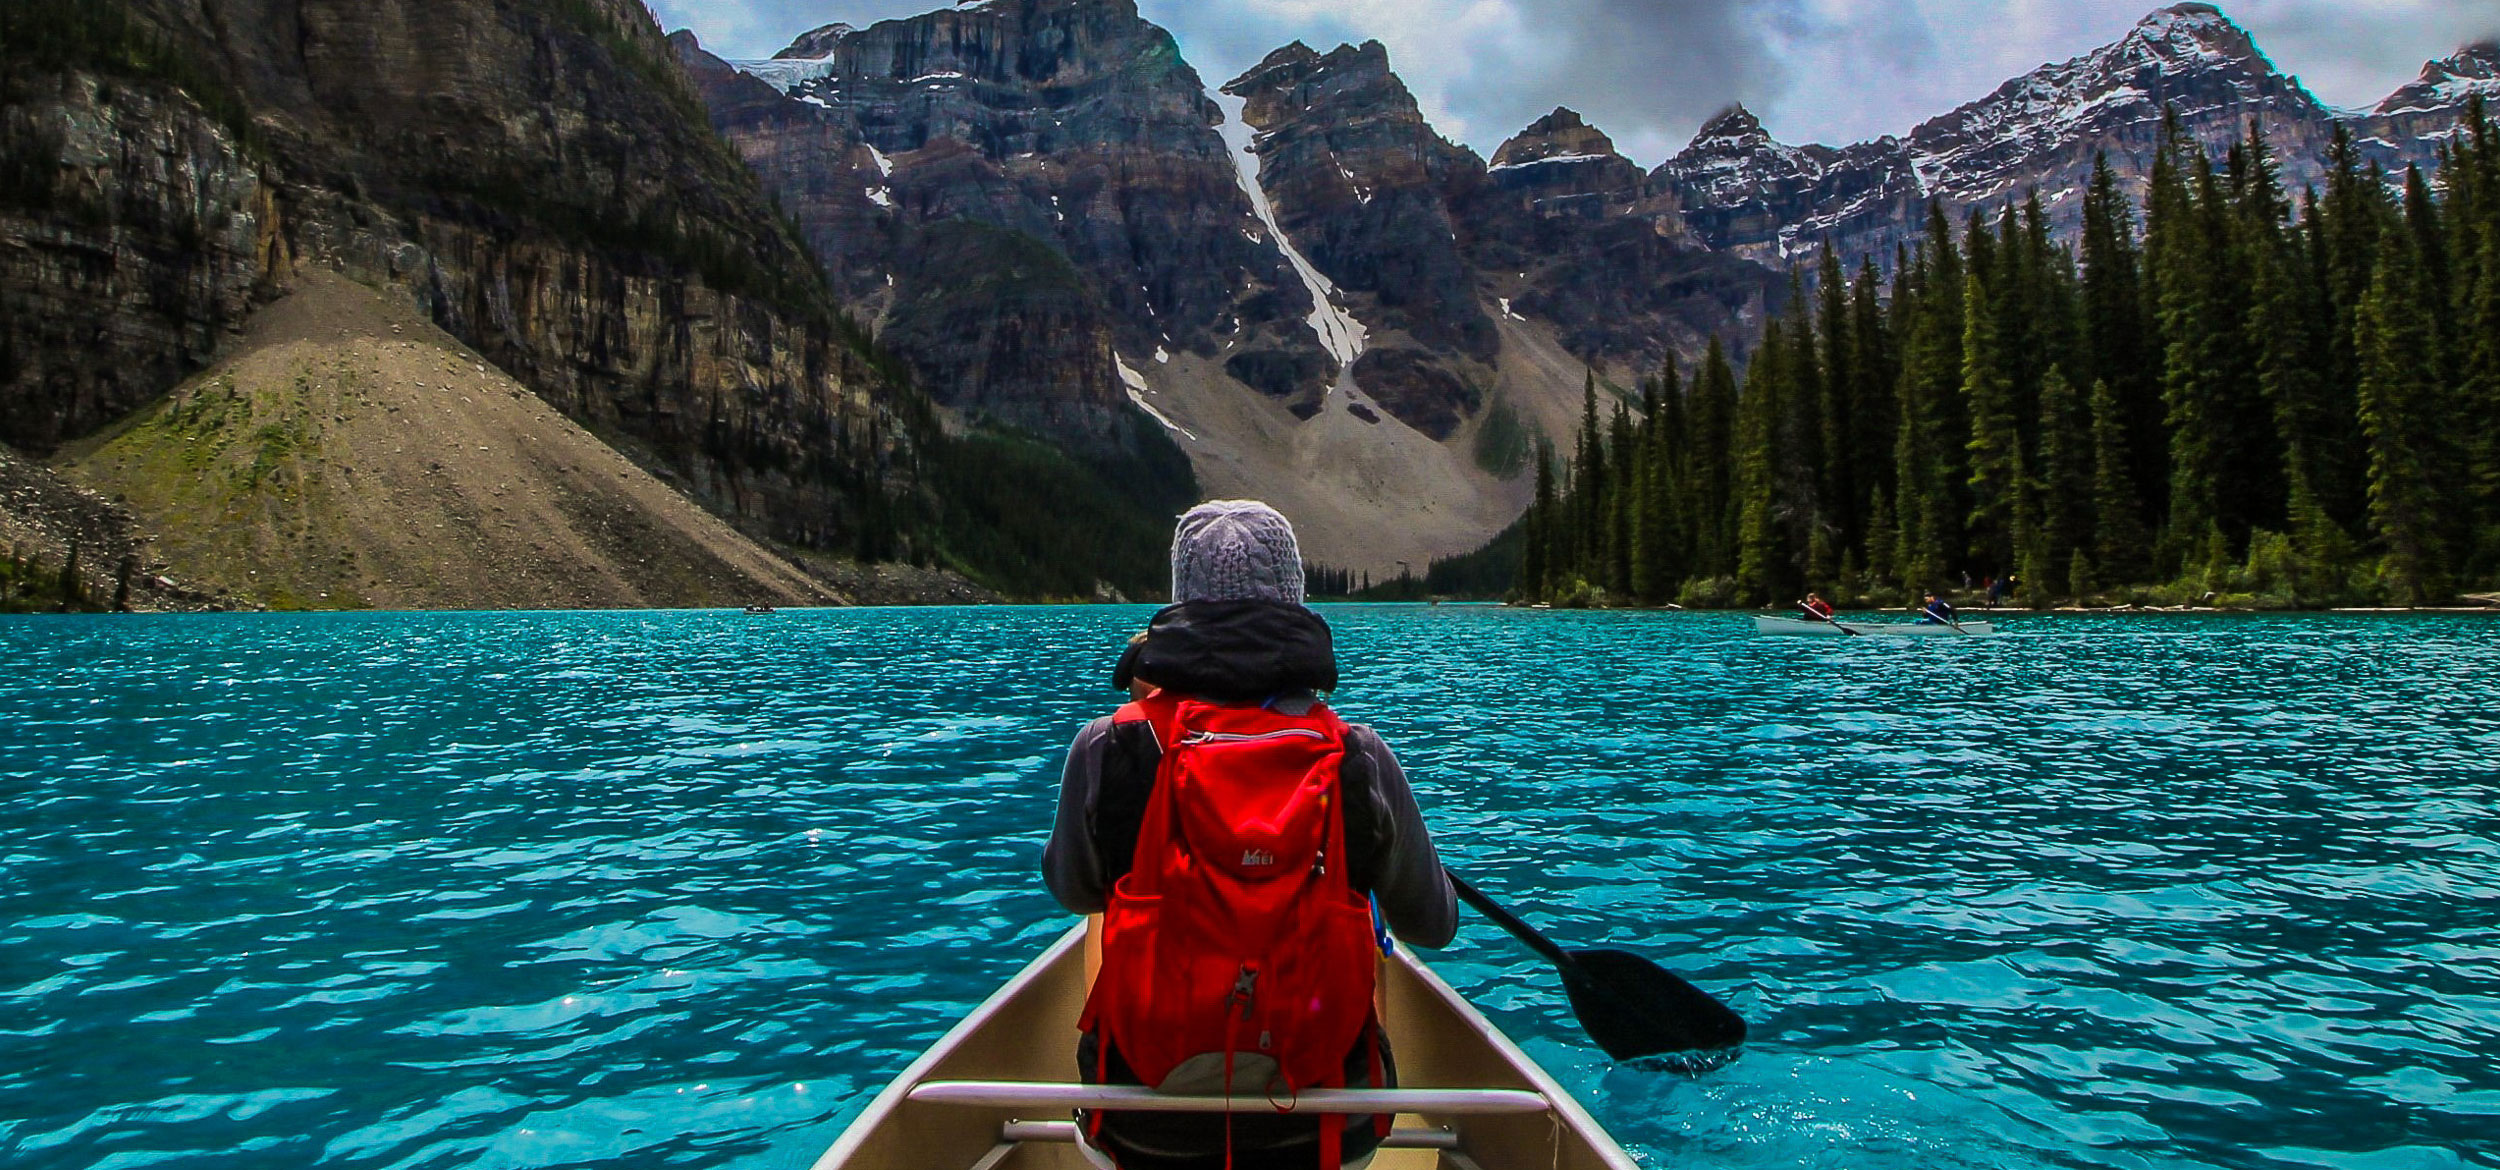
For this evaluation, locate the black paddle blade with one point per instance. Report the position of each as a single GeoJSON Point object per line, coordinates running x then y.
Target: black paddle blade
{"type": "Point", "coordinates": [1639, 1011]}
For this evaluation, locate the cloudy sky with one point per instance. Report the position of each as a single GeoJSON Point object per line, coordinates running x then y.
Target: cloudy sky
{"type": "Point", "coordinates": [1649, 71]}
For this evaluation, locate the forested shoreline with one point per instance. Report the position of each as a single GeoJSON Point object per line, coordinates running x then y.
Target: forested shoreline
{"type": "Point", "coordinates": [2231, 393]}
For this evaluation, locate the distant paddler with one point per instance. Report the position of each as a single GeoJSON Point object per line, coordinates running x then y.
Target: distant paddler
{"type": "Point", "coordinates": [1937, 612]}
{"type": "Point", "coordinates": [1815, 609]}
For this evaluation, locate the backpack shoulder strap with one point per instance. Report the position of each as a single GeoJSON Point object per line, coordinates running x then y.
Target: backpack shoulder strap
{"type": "Point", "coordinates": [1124, 791]}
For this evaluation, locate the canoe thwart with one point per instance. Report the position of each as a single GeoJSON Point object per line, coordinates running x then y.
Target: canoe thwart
{"type": "Point", "coordinates": [1133, 1098]}
{"type": "Point", "coordinates": [1065, 1131]}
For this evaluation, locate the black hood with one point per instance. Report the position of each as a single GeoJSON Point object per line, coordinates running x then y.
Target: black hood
{"type": "Point", "coordinates": [1233, 651]}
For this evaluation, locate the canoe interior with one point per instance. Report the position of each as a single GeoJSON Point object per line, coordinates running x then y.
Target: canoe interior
{"type": "Point", "coordinates": [1028, 1033]}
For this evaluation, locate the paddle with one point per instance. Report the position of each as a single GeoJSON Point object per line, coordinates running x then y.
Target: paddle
{"type": "Point", "coordinates": [1954, 621]}
{"type": "Point", "coordinates": [1833, 621]}
{"type": "Point", "coordinates": [1633, 1008]}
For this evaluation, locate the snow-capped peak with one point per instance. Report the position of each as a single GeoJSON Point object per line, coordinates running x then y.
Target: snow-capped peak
{"type": "Point", "coordinates": [1561, 136]}
{"type": "Point", "coordinates": [1735, 124]}
{"type": "Point", "coordinates": [2191, 33]}
{"type": "Point", "coordinates": [816, 44]}
{"type": "Point", "coordinates": [2192, 18]}
{"type": "Point", "coordinates": [2447, 83]}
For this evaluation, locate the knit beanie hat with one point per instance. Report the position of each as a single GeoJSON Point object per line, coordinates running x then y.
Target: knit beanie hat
{"type": "Point", "coordinates": [1235, 550]}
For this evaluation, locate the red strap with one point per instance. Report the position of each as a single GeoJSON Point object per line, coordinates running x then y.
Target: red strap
{"type": "Point", "coordinates": [1229, 1041]}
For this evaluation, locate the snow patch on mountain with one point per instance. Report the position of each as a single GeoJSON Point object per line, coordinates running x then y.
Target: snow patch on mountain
{"type": "Point", "coordinates": [1137, 391]}
{"type": "Point", "coordinates": [2449, 83]}
{"type": "Point", "coordinates": [789, 75]}
{"type": "Point", "coordinates": [1558, 158]}
{"type": "Point", "coordinates": [1339, 332]}
{"type": "Point", "coordinates": [1984, 149]}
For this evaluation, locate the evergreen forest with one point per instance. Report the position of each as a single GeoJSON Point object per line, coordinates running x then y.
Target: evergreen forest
{"type": "Point", "coordinates": [2230, 393]}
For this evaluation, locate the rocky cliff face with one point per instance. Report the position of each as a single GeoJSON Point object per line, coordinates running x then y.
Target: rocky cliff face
{"type": "Point", "coordinates": [538, 178]}
{"type": "Point", "coordinates": [1365, 187]}
{"type": "Point", "coordinates": [1560, 165]}
{"type": "Point", "coordinates": [133, 229]}
{"type": "Point", "coordinates": [1566, 230]}
{"type": "Point", "coordinates": [2447, 84]}
{"type": "Point", "coordinates": [2040, 132]}
{"type": "Point", "coordinates": [2410, 124]}
{"type": "Point", "coordinates": [1743, 192]}
{"type": "Point", "coordinates": [1073, 124]}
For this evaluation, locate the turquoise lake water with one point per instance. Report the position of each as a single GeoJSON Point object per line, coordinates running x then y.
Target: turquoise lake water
{"type": "Point", "coordinates": [683, 889]}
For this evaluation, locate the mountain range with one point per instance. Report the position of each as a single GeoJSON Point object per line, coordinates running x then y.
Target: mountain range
{"type": "Point", "coordinates": [1347, 312]}
{"type": "Point", "coordinates": [834, 296]}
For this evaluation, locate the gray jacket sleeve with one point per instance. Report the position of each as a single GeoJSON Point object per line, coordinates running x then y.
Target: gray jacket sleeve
{"type": "Point", "coordinates": [1415, 895]}
{"type": "Point", "coordinates": [1069, 864]}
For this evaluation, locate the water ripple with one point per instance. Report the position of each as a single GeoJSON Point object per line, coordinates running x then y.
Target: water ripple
{"type": "Point", "coordinates": [683, 889]}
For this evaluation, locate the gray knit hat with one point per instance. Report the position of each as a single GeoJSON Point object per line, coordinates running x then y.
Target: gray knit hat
{"type": "Point", "coordinates": [1235, 550]}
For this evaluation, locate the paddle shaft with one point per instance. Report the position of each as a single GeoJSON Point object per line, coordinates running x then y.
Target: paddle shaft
{"type": "Point", "coordinates": [1955, 621]}
{"type": "Point", "coordinates": [1833, 621]}
{"type": "Point", "coordinates": [1633, 1008]}
{"type": "Point", "coordinates": [1506, 920]}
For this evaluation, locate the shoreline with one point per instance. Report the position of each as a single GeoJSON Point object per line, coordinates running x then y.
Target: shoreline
{"type": "Point", "coordinates": [1856, 614]}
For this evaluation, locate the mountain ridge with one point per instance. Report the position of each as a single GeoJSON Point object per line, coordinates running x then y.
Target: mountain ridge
{"type": "Point", "coordinates": [2040, 131]}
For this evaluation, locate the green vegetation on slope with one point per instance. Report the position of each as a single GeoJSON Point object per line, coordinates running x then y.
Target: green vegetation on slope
{"type": "Point", "coordinates": [1028, 520]}
{"type": "Point", "coordinates": [28, 585]}
{"type": "Point", "coordinates": [100, 36]}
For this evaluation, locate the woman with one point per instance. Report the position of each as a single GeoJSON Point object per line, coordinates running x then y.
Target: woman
{"type": "Point", "coordinates": [1237, 646]}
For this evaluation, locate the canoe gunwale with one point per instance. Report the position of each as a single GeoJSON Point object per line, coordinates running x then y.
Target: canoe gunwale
{"type": "Point", "coordinates": [1566, 1108]}
{"type": "Point", "coordinates": [899, 1089]}
{"type": "Point", "coordinates": [1138, 1099]}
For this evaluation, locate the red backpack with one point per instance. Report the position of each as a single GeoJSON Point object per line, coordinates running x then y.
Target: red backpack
{"type": "Point", "coordinates": [1235, 931]}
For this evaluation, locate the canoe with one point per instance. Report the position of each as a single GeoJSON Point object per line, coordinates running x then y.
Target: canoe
{"type": "Point", "coordinates": [997, 1092]}
{"type": "Point", "coordinates": [1807, 629]}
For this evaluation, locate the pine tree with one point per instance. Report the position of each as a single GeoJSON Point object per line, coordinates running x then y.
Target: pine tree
{"type": "Point", "coordinates": [2400, 400]}
{"type": "Point", "coordinates": [1620, 494]}
{"type": "Point", "coordinates": [1882, 539]}
{"type": "Point", "coordinates": [2120, 540]}
{"type": "Point", "coordinates": [1588, 486]}
{"type": "Point", "coordinates": [2064, 483]}
{"type": "Point", "coordinates": [1535, 557]}
{"type": "Point", "coordinates": [2117, 331]}
{"type": "Point", "coordinates": [1841, 494]}
{"type": "Point", "coordinates": [2317, 428]}
{"type": "Point", "coordinates": [1802, 460]}
{"type": "Point", "coordinates": [2187, 236]}
{"type": "Point", "coordinates": [1995, 446]}
{"type": "Point", "coordinates": [1762, 553]}
{"type": "Point", "coordinates": [1711, 495]}
{"type": "Point", "coordinates": [1657, 538]}
{"type": "Point", "coordinates": [2479, 393]}
{"type": "Point", "coordinates": [1930, 451]}
{"type": "Point", "coordinates": [1874, 409]}
{"type": "Point", "coordinates": [2345, 235]}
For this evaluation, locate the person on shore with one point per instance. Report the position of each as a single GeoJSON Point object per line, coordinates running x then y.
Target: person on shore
{"type": "Point", "coordinates": [1936, 611]}
{"type": "Point", "coordinates": [1815, 608]}
{"type": "Point", "coordinates": [1996, 591]}
{"type": "Point", "coordinates": [1254, 928]}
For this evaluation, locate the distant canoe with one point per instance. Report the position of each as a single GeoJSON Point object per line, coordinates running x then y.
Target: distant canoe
{"type": "Point", "coordinates": [1805, 629]}
{"type": "Point", "coordinates": [760, 610]}
{"type": "Point", "coordinates": [995, 1091]}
